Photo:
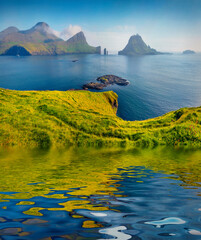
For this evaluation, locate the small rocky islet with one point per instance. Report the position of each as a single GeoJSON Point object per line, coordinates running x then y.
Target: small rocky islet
{"type": "Point", "coordinates": [188, 52]}
{"type": "Point", "coordinates": [105, 81]}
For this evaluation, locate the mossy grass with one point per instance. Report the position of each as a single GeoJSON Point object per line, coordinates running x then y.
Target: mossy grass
{"type": "Point", "coordinates": [82, 118]}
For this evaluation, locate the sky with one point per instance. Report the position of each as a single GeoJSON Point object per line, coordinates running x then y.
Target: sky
{"type": "Point", "coordinates": [166, 25]}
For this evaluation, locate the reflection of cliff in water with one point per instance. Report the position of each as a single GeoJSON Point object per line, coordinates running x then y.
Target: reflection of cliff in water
{"type": "Point", "coordinates": [91, 168]}
{"type": "Point", "coordinates": [17, 51]}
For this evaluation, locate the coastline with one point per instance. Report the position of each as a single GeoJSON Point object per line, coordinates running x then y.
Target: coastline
{"type": "Point", "coordinates": [83, 118]}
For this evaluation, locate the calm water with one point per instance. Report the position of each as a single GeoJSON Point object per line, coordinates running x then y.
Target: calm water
{"type": "Point", "coordinates": [158, 84]}
{"type": "Point", "coordinates": [100, 194]}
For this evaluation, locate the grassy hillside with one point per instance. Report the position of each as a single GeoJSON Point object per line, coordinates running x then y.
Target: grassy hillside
{"type": "Point", "coordinates": [51, 48]}
{"type": "Point", "coordinates": [55, 118]}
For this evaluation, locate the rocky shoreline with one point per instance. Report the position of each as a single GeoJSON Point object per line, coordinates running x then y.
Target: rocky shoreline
{"type": "Point", "coordinates": [105, 81]}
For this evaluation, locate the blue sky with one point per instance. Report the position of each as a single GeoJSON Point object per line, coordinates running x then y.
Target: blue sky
{"type": "Point", "coordinates": [168, 25]}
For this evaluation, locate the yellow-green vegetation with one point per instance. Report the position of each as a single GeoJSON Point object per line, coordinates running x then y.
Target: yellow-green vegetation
{"type": "Point", "coordinates": [56, 118]}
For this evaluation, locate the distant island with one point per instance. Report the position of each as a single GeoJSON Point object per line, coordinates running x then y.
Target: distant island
{"type": "Point", "coordinates": [188, 52]}
{"type": "Point", "coordinates": [41, 40]}
{"type": "Point", "coordinates": [105, 81]}
{"type": "Point", "coordinates": [136, 46]}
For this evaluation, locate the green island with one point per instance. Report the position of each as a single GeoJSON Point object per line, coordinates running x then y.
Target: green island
{"type": "Point", "coordinates": [83, 118]}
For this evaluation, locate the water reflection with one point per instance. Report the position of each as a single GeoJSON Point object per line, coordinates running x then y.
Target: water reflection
{"type": "Point", "coordinates": [100, 194]}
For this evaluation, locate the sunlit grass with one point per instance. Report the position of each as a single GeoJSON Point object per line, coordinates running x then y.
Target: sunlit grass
{"type": "Point", "coordinates": [83, 118]}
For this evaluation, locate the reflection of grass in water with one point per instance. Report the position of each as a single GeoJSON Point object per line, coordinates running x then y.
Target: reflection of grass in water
{"type": "Point", "coordinates": [84, 173]}
{"type": "Point", "coordinates": [25, 203]}
{"type": "Point", "coordinates": [35, 211]}
{"type": "Point", "coordinates": [91, 224]}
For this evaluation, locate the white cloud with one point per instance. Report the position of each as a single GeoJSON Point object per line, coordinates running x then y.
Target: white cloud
{"type": "Point", "coordinates": [67, 32]}
{"type": "Point", "coordinates": [70, 31]}
{"type": "Point", "coordinates": [56, 33]}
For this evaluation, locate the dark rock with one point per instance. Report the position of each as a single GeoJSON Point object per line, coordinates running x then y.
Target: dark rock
{"type": "Point", "coordinates": [105, 81]}
{"type": "Point", "coordinates": [112, 79]}
{"type": "Point", "coordinates": [92, 85]}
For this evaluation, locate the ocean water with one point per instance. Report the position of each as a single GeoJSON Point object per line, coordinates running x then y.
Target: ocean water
{"type": "Point", "coordinates": [100, 194]}
{"type": "Point", "coordinates": [158, 84]}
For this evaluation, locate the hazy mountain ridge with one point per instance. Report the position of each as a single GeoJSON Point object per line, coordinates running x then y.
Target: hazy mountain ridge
{"type": "Point", "coordinates": [189, 52]}
{"type": "Point", "coordinates": [41, 40]}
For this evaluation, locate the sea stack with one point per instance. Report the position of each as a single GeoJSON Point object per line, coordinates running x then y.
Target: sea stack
{"type": "Point", "coordinates": [136, 46]}
{"type": "Point", "coordinates": [105, 51]}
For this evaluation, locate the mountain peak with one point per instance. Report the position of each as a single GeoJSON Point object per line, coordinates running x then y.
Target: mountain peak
{"type": "Point", "coordinates": [11, 29]}
{"type": "Point", "coordinates": [80, 33]}
{"type": "Point", "coordinates": [8, 31]}
{"type": "Point", "coordinates": [78, 37]}
{"type": "Point", "coordinates": [42, 28]}
{"type": "Point", "coordinates": [136, 35]}
{"type": "Point", "coordinates": [41, 25]}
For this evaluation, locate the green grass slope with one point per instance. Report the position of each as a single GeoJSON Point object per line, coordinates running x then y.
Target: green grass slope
{"type": "Point", "coordinates": [55, 118]}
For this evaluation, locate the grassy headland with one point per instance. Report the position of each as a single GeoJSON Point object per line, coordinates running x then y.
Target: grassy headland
{"type": "Point", "coordinates": [56, 118]}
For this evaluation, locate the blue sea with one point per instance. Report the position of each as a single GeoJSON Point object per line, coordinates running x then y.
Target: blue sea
{"type": "Point", "coordinates": [158, 84]}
